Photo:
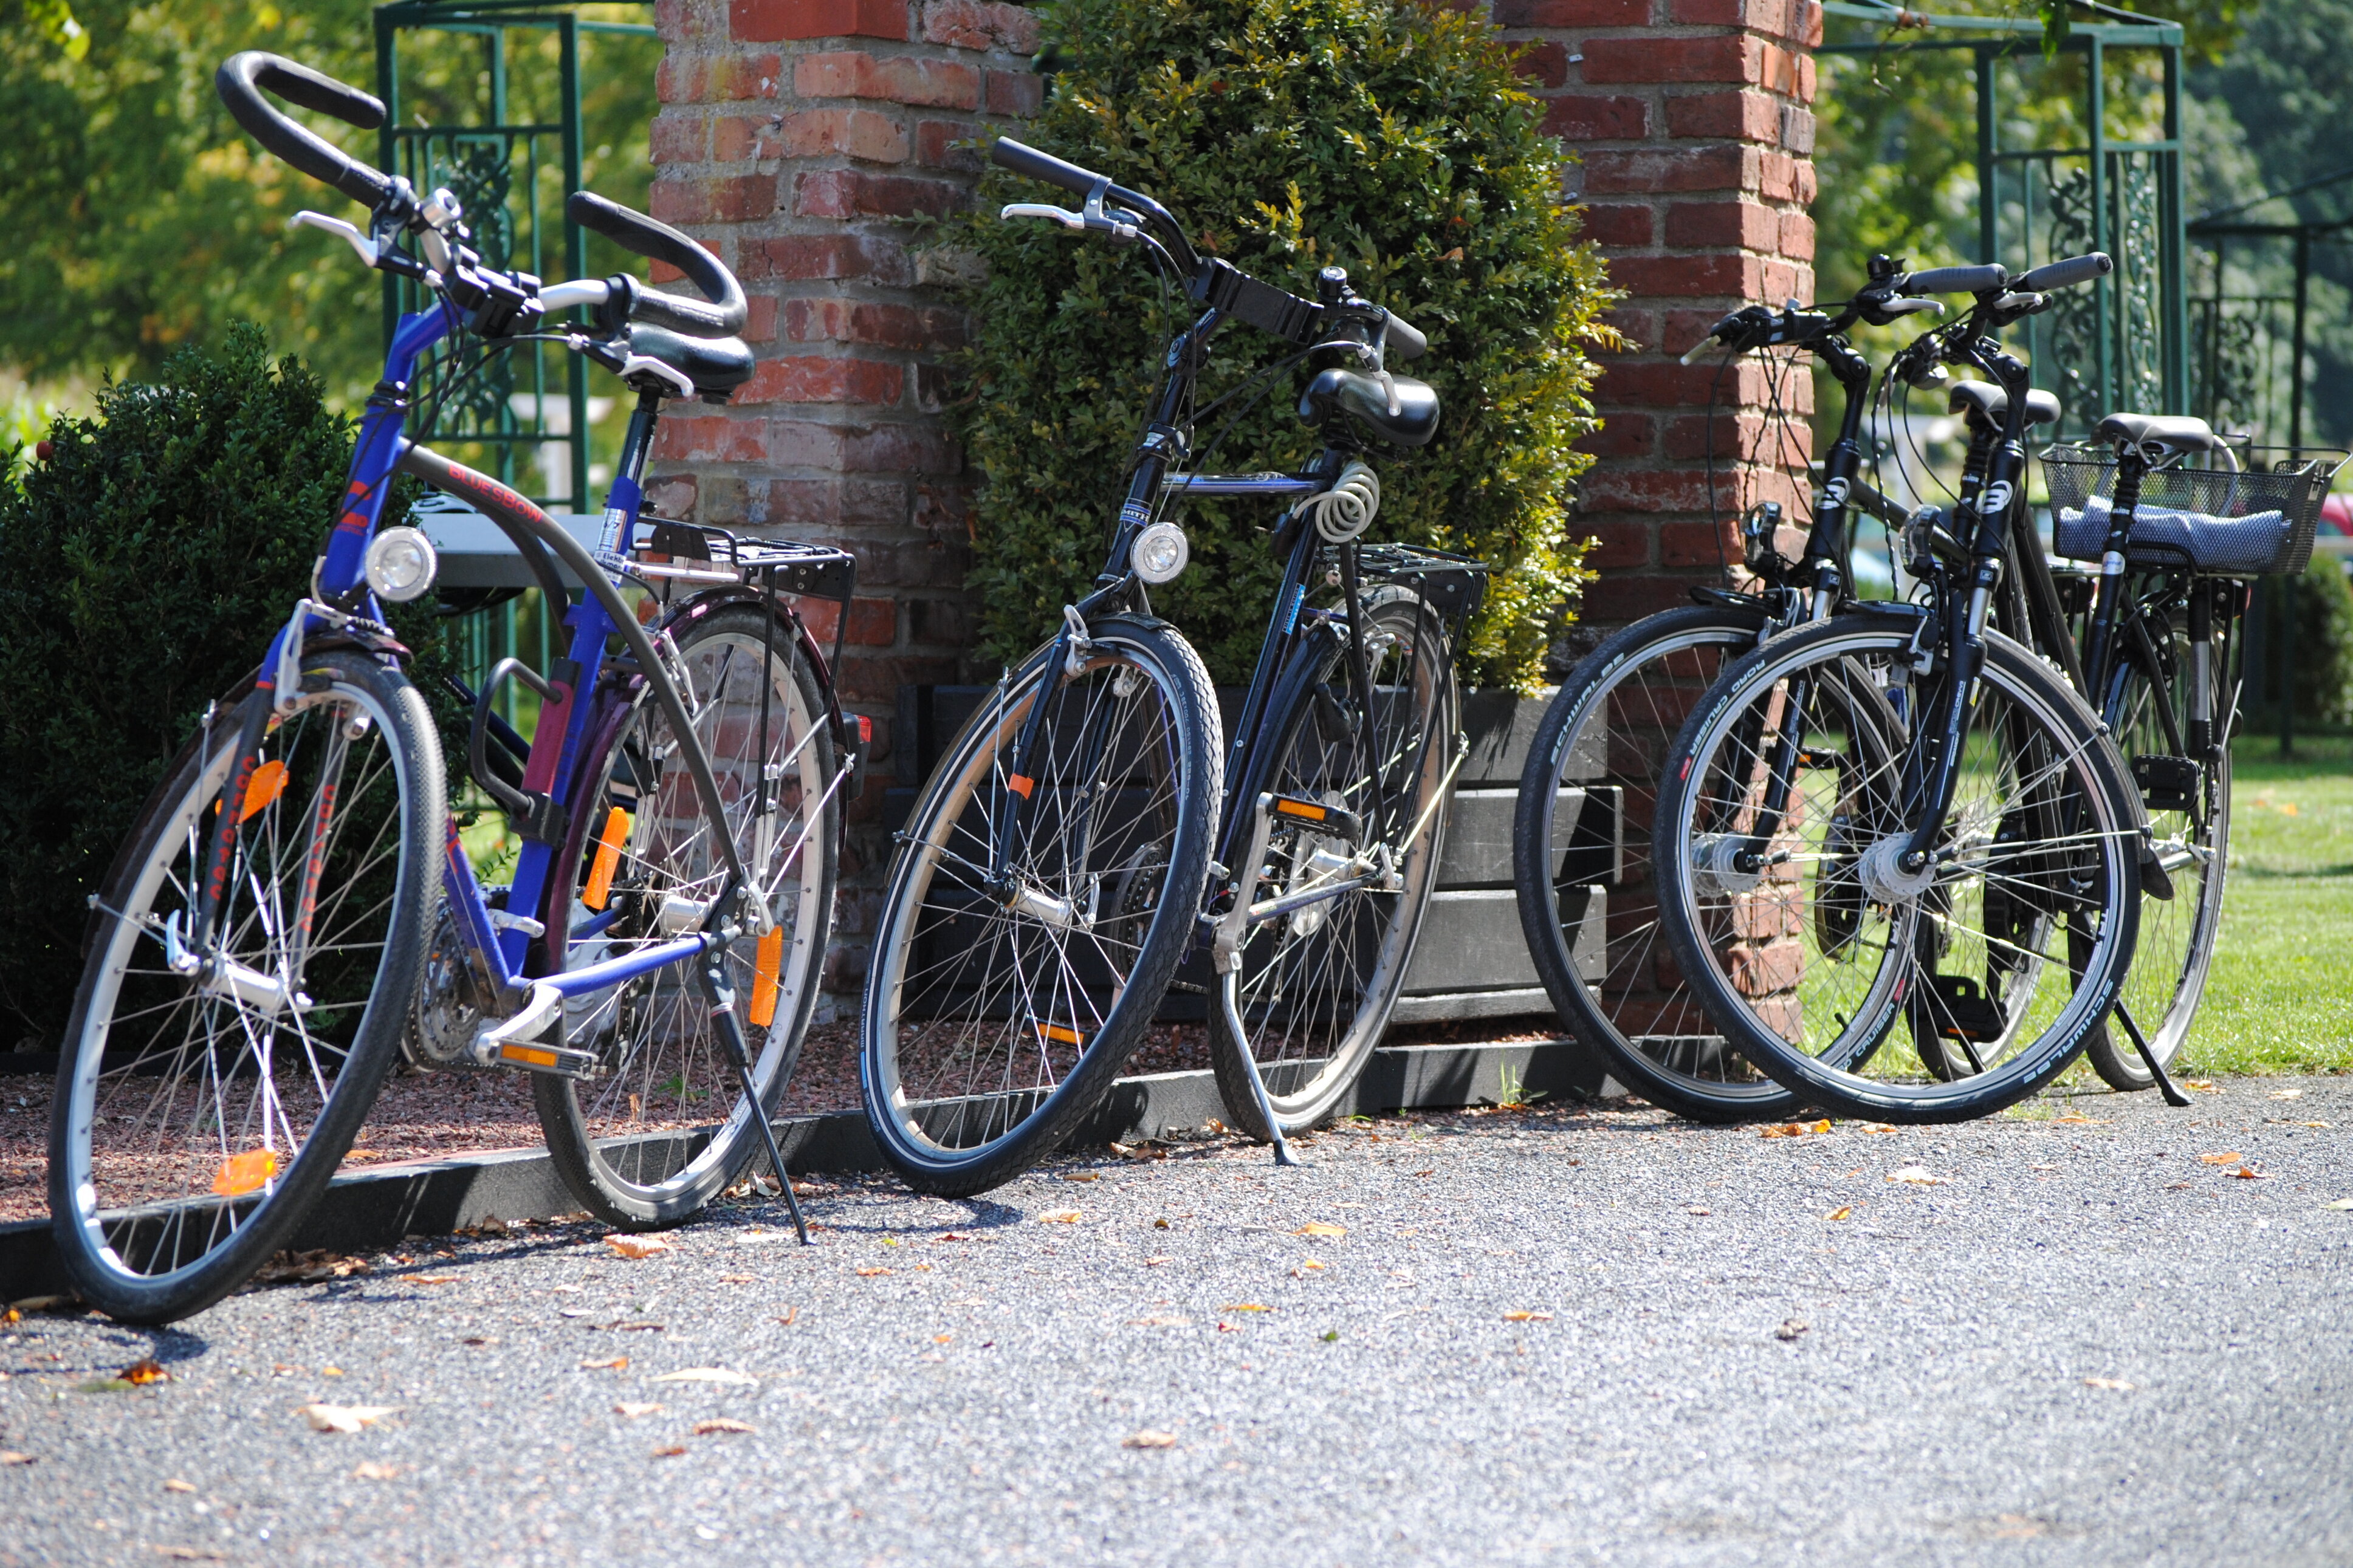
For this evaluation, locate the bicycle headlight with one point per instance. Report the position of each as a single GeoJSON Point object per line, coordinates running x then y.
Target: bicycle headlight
{"type": "Point", "coordinates": [1159, 552]}
{"type": "Point", "coordinates": [400, 565]}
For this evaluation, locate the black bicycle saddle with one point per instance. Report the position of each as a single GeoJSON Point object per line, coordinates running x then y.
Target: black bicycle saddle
{"type": "Point", "coordinates": [1363, 398]}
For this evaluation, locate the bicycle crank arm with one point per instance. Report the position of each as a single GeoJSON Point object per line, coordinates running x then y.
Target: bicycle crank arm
{"type": "Point", "coordinates": [517, 1042]}
{"type": "Point", "coordinates": [1273, 908]}
{"type": "Point", "coordinates": [1229, 998]}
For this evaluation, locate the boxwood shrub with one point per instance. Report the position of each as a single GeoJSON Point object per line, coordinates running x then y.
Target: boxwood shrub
{"type": "Point", "coordinates": [144, 565]}
{"type": "Point", "coordinates": [1386, 136]}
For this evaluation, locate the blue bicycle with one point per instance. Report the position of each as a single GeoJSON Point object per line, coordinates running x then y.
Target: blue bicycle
{"type": "Point", "coordinates": [295, 905]}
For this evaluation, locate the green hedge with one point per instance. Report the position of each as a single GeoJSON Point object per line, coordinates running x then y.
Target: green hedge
{"type": "Point", "coordinates": [1388, 136]}
{"type": "Point", "coordinates": [143, 566]}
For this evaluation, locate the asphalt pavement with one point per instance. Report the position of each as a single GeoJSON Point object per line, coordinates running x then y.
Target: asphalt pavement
{"type": "Point", "coordinates": [1551, 1336]}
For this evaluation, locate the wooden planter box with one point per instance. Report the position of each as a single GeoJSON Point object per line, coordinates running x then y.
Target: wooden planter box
{"type": "Point", "coordinates": [1472, 960]}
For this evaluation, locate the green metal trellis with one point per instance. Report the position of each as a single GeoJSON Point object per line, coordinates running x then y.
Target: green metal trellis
{"type": "Point", "coordinates": [2123, 345]}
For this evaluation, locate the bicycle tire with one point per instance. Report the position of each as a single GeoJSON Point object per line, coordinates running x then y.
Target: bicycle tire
{"type": "Point", "coordinates": [154, 1222]}
{"type": "Point", "coordinates": [1317, 986]}
{"type": "Point", "coordinates": [959, 1099]}
{"type": "Point", "coordinates": [1618, 711]}
{"type": "Point", "coordinates": [2175, 949]}
{"type": "Point", "coordinates": [661, 1059]}
{"type": "Point", "coordinates": [2065, 841]}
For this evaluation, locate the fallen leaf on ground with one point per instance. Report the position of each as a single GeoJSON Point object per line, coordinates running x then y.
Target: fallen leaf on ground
{"type": "Point", "coordinates": [718, 1423]}
{"type": "Point", "coordinates": [1528, 1317]}
{"type": "Point", "coordinates": [707, 1374]}
{"type": "Point", "coordinates": [637, 1246]}
{"type": "Point", "coordinates": [146, 1370]}
{"type": "Point", "coordinates": [23, 1304]}
{"type": "Point", "coordinates": [1082, 1176]}
{"type": "Point", "coordinates": [1319, 1227]}
{"type": "Point", "coordinates": [1244, 1306]}
{"type": "Point", "coordinates": [1149, 1440]}
{"type": "Point", "coordinates": [870, 1273]}
{"type": "Point", "coordinates": [2118, 1384]}
{"type": "Point", "coordinates": [2248, 1174]}
{"type": "Point", "coordinates": [1157, 1262]}
{"type": "Point", "coordinates": [673, 1452]}
{"type": "Point", "coordinates": [2228, 1157]}
{"type": "Point", "coordinates": [303, 1267]}
{"type": "Point", "coordinates": [1841, 1212]}
{"type": "Point", "coordinates": [1425, 1173]}
{"type": "Point", "coordinates": [2339, 1204]}
{"type": "Point", "coordinates": [10, 1457]}
{"type": "Point", "coordinates": [374, 1470]}
{"type": "Point", "coordinates": [628, 1328]}
{"type": "Point", "coordinates": [610, 1363]}
{"type": "Point", "coordinates": [1919, 1176]}
{"type": "Point", "coordinates": [2077, 1119]}
{"type": "Point", "coordinates": [176, 1485]}
{"type": "Point", "coordinates": [2205, 1085]}
{"type": "Point", "coordinates": [790, 1317]}
{"type": "Point", "coordinates": [344, 1417]}
{"type": "Point", "coordinates": [1059, 1216]}
{"type": "Point", "coordinates": [1700, 1213]}
{"type": "Point", "coordinates": [1874, 1126]}
{"type": "Point", "coordinates": [1795, 1129]}
{"type": "Point", "coordinates": [1792, 1329]}
{"type": "Point", "coordinates": [2287, 1094]}
{"type": "Point", "coordinates": [630, 1409]}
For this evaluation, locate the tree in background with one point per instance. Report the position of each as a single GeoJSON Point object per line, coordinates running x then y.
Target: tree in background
{"type": "Point", "coordinates": [144, 220]}
{"type": "Point", "coordinates": [1390, 137]}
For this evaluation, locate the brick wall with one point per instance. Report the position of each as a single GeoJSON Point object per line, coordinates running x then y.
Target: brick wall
{"type": "Point", "coordinates": [797, 137]}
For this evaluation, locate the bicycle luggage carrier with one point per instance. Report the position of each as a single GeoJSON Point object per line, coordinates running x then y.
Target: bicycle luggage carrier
{"type": "Point", "coordinates": [2207, 521]}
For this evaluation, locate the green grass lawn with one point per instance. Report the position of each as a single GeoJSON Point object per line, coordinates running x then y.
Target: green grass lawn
{"type": "Point", "coordinates": [2280, 996]}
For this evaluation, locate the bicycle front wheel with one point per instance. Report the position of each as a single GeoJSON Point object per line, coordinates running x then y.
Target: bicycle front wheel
{"type": "Point", "coordinates": [637, 1142]}
{"type": "Point", "coordinates": [1317, 984]}
{"type": "Point", "coordinates": [1866, 987]}
{"type": "Point", "coordinates": [2188, 804]}
{"type": "Point", "coordinates": [1013, 974]}
{"type": "Point", "coordinates": [205, 1095]}
{"type": "Point", "coordinates": [1611, 726]}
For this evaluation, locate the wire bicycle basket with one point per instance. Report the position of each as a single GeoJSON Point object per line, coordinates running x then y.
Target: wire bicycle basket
{"type": "Point", "coordinates": [2258, 523]}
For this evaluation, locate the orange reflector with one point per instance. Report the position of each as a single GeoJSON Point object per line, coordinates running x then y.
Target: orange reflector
{"type": "Point", "coordinates": [1307, 809]}
{"type": "Point", "coordinates": [1021, 785]}
{"type": "Point", "coordinates": [246, 1172]}
{"type": "Point", "coordinates": [1057, 1033]}
{"type": "Point", "coordinates": [766, 960]}
{"type": "Point", "coordinates": [529, 1055]}
{"type": "Point", "coordinates": [608, 858]}
{"type": "Point", "coordinates": [267, 783]}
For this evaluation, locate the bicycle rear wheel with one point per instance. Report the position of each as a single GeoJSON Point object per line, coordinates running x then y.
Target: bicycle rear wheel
{"type": "Point", "coordinates": [1317, 985]}
{"type": "Point", "coordinates": [202, 1106]}
{"type": "Point", "coordinates": [1821, 959]}
{"type": "Point", "coordinates": [1610, 726]}
{"type": "Point", "coordinates": [999, 1008]}
{"type": "Point", "coordinates": [644, 864]}
{"type": "Point", "coordinates": [2189, 804]}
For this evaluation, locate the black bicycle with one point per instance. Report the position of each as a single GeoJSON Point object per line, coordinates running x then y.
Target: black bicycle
{"type": "Point", "coordinates": [1069, 850]}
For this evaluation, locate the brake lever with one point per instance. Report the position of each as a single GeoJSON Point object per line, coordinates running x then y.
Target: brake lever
{"type": "Point", "coordinates": [1075, 222]}
{"type": "Point", "coordinates": [344, 231]}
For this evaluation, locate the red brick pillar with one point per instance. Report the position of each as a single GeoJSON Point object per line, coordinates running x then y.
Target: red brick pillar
{"type": "Point", "coordinates": [795, 138]}
{"type": "Point", "coordinates": [1690, 120]}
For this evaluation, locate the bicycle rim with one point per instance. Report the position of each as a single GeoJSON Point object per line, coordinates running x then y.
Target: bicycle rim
{"type": "Point", "coordinates": [199, 1114]}
{"type": "Point", "coordinates": [1610, 727]}
{"type": "Point", "coordinates": [994, 1020]}
{"type": "Point", "coordinates": [1317, 985]}
{"type": "Point", "coordinates": [1965, 962]}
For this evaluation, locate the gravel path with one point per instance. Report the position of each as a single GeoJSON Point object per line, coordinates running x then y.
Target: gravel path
{"type": "Point", "coordinates": [1548, 1336]}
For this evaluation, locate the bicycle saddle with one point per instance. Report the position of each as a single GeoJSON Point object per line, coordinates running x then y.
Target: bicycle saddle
{"type": "Point", "coordinates": [1364, 398]}
{"type": "Point", "coordinates": [717, 366]}
{"type": "Point", "coordinates": [2175, 432]}
{"type": "Point", "coordinates": [1990, 403]}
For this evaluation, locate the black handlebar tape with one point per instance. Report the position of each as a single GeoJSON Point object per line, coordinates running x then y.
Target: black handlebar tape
{"type": "Point", "coordinates": [633, 231]}
{"type": "Point", "coordinates": [244, 77]}
{"type": "Point", "coordinates": [1405, 338]}
{"type": "Point", "coordinates": [2064, 274]}
{"type": "Point", "coordinates": [1023, 158]}
{"type": "Point", "coordinates": [1957, 280]}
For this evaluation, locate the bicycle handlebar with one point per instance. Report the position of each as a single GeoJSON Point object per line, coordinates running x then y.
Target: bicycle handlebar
{"type": "Point", "coordinates": [2063, 274]}
{"type": "Point", "coordinates": [244, 77]}
{"type": "Point", "coordinates": [1409, 339]}
{"type": "Point", "coordinates": [633, 231]}
{"type": "Point", "coordinates": [1957, 280]}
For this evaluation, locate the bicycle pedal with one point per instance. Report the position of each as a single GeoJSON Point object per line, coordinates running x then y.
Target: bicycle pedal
{"type": "Point", "coordinates": [531, 1055]}
{"type": "Point", "coordinates": [1331, 820]}
{"type": "Point", "coordinates": [2166, 783]}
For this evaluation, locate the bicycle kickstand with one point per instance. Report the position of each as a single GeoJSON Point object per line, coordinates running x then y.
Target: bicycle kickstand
{"type": "Point", "coordinates": [2156, 1069]}
{"type": "Point", "coordinates": [721, 997]}
{"type": "Point", "coordinates": [1227, 954]}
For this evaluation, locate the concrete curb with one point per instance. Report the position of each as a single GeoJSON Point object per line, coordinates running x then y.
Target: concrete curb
{"type": "Point", "coordinates": [368, 1210]}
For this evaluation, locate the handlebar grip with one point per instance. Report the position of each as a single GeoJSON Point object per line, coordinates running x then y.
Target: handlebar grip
{"type": "Point", "coordinates": [1408, 340]}
{"type": "Point", "coordinates": [1957, 280]}
{"type": "Point", "coordinates": [633, 231]}
{"type": "Point", "coordinates": [1023, 158]}
{"type": "Point", "coordinates": [2063, 274]}
{"type": "Point", "coordinates": [243, 78]}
